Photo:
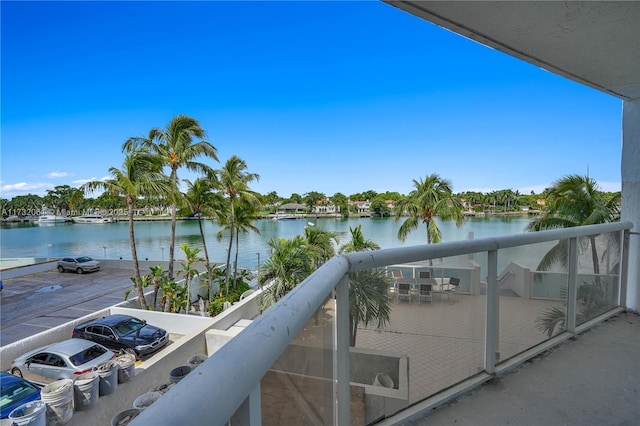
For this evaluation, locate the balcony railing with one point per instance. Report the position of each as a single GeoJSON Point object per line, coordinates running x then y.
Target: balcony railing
{"type": "Point", "coordinates": [294, 363]}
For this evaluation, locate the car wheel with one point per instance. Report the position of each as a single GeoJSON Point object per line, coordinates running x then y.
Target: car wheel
{"type": "Point", "coordinates": [79, 271]}
{"type": "Point", "coordinates": [60, 269]}
{"type": "Point", "coordinates": [16, 372]}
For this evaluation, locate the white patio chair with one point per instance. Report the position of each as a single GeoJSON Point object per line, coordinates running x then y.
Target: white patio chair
{"type": "Point", "coordinates": [452, 288]}
{"type": "Point", "coordinates": [403, 290]}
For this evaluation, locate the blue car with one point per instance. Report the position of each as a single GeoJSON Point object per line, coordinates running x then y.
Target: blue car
{"type": "Point", "coordinates": [14, 392]}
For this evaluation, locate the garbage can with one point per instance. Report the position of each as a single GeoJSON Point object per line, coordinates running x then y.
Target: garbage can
{"type": "Point", "coordinates": [58, 396]}
{"type": "Point", "coordinates": [178, 373]}
{"type": "Point", "coordinates": [86, 388]}
{"type": "Point", "coordinates": [108, 373]}
{"type": "Point", "coordinates": [196, 360]}
{"type": "Point", "coordinates": [124, 417]}
{"type": "Point", "coordinates": [145, 400]}
{"type": "Point", "coordinates": [127, 363]}
{"type": "Point", "coordinates": [32, 413]}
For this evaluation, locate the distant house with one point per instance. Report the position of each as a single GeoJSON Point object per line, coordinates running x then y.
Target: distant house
{"type": "Point", "coordinates": [325, 207]}
{"type": "Point", "coordinates": [362, 206]}
{"type": "Point", "coordinates": [292, 208]}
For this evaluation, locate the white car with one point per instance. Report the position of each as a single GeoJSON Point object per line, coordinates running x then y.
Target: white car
{"type": "Point", "coordinates": [63, 360]}
{"type": "Point", "coordinates": [80, 264]}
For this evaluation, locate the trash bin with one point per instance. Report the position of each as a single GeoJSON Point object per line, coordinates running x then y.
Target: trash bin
{"type": "Point", "coordinates": [108, 373]}
{"type": "Point", "coordinates": [196, 360]}
{"type": "Point", "coordinates": [58, 396]}
{"type": "Point", "coordinates": [124, 417]}
{"type": "Point", "coordinates": [145, 400]}
{"type": "Point", "coordinates": [383, 380]}
{"type": "Point", "coordinates": [178, 373]}
{"type": "Point", "coordinates": [127, 363]}
{"type": "Point", "coordinates": [32, 413]}
{"type": "Point", "coordinates": [86, 388]}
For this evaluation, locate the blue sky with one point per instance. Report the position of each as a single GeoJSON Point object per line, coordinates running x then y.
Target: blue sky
{"type": "Point", "coordinates": [314, 96]}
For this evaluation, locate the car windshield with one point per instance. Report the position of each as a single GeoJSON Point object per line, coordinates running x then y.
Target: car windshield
{"type": "Point", "coordinates": [16, 392]}
{"type": "Point", "coordinates": [129, 326]}
{"type": "Point", "coordinates": [87, 355]}
{"type": "Point", "coordinates": [84, 259]}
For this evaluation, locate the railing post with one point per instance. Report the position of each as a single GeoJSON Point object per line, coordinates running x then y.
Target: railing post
{"type": "Point", "coordinates": [572, 285]}
{"type": "Point", "coordinates": [624, 272]}
{"type": "Point", "coordinates": [491, 354]}
{"type": "Point", "coordinates": [341, 364]}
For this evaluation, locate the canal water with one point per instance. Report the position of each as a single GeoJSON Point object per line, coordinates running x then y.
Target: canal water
{"type": "Point", "coordinates": [111, 241]}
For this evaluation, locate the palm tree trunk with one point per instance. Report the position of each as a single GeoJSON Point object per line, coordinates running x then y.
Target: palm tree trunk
{"type": "Point", "coordinates": [206, 256]}
{"type": "Point", "coordinates": [235, 263]}
{"type": "Point", "coordinates": [172, 240]}
{"type": "Point", "coordinates": [134, 256]}
{"type": "Point", "coordinates": [594, 258]}
{"type": "Point", "coordinates": [228, 271]}
{"type": "Point", "coordinates": [353, 330]}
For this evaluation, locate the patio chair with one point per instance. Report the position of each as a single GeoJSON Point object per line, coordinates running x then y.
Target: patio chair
{"type": "Point", "coordinates": [452, 288]}
{"type": "Point", "coordinates": [396, 274]}
{"type": "Point", "coordinates": [424, 274]}
{"type": "Point", "coordinates": [425, 292]}
{"type": "Point", "coordinates": [403, 290]}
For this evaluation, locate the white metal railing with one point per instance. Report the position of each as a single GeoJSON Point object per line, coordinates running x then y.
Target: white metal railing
{"type": "Point", "coordinates": [228, 382]}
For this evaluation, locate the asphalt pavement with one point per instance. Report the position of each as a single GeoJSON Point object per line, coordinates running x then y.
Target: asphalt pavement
{"type": "Point", "coordinates": [34, 303]}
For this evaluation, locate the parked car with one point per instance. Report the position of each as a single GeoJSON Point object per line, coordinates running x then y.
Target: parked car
{"type": "Point", "coordinates": [62, 360]}
{"type": "Point", "coordinates": [80, 264]}
{"type": "Point", "coordinates": [123, 333]}
{"type": "Point", "coordinates": [15, 391]}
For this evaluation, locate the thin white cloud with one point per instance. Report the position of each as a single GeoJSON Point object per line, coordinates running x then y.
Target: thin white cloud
{"type": "Point", "coordinates": [23, 188]}
{"type": "Point", "coordinates": [55, 175]}
{"type": "Point", "coordinates": [91, 179]}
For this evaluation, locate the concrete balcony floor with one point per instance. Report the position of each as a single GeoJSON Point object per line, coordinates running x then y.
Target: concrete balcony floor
{"type": "Point", "coordinates": [593, 379]}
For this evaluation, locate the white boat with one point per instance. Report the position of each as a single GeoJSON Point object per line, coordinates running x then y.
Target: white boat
{"type": "Point", "coordinates": [91, 218]}
{"type": "Point", "coordinates": [52, 218]}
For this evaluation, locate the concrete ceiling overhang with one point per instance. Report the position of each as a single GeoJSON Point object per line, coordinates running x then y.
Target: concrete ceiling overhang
{"type": "Point", "coordinates": [596, 43]}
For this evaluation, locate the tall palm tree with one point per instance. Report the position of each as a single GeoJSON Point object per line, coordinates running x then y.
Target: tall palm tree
{"type": "Point", "coordinates": [368, 298]}
{"type": "Point", "coordinates": [431, 197]}
{"type": "Point", "coordinates": [203, 202]}
{"type": "Point", "coordinates": [176, 147]}
{"type": "Point", "coordinates": [245, 214]}
{"type": "Point", "coordinates": [574, 200]}
{"type": "Point", "coordinates": [141, 175]}
{"type": "Point", "coordinates": [233, 183]}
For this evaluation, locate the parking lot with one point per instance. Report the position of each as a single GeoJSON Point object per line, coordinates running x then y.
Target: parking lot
{"type": "Point", "coordinates": [34, 303]}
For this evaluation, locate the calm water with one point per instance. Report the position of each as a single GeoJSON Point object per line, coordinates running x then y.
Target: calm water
{"type": "Point", "coordinates": [112, 240]}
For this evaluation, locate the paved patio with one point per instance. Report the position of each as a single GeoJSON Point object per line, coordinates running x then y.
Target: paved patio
{"type": "Point", "coordinates": [445, 341]}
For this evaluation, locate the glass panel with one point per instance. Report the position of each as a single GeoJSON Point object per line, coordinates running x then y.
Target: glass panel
{"type": "Point", "coordinates": [298, 389]}
{"type": "Point", "coordinates": [532, 288]}
{"type": "Point", "coordinates": [431, 341]}
{"type": "Point", "coordinates": [598, 280]}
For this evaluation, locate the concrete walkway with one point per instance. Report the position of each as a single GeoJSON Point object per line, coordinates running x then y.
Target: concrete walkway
{"type": "Point", "coordinates": [593, 379]}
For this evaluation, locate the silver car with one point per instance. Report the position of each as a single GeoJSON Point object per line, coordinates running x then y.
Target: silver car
{"type": "Point", "coordinates": [62, 360]}
{"type": "Point", "coordinates": [80, 264]}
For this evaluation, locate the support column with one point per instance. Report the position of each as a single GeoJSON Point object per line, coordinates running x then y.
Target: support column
{"type": "Point", "coordinates": [631, 196]}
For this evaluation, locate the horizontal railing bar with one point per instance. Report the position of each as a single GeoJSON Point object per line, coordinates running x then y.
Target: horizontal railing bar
{"type": "Point", "coordinates": [384, 257]}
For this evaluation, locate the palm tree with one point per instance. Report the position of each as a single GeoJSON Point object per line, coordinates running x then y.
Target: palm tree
{"type": "Point", "coordinates": [431, 197]}
{"type": "Point", "coordinates": [188, 270]}
{"type": "Point", "coordinates": [203, 202]}
{"type": "Point", "coordinates": [176, 147]}
{"type": "Point", "coordinates": [368, 298]}
{"type": "Point", "coordinates": [358, 242]}
{"type": "Point", "coordinates": [233, 183]}
{"type": "Point", "coordinates": [157, 276]}
{"type": "Point", "coordinates": [141, 175]}
{"type": "Point", "coordinates": [245, 214]}
{"type": "Point", "coordinates": [574, 200]}
{"type": "Point", "coordinates": [321, 242]}
{"type": "Point", "coordinates": [290, 263]}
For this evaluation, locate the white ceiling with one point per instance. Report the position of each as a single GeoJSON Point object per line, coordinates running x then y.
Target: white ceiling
{"type": "Point", "coordinates": [596, 43]}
